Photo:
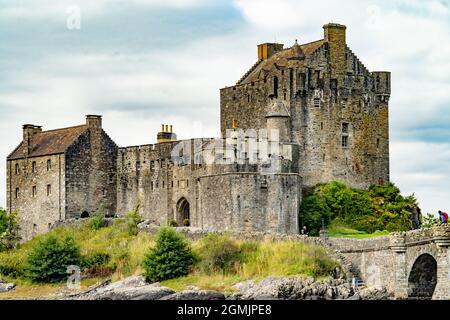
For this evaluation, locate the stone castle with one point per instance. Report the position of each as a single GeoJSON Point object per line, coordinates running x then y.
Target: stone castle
{"type": "Point", "coordinates": [313, 110]}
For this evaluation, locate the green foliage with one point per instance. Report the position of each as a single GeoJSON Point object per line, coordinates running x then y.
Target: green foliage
{"type": "Point", "coordinates": [132, 219]}
{"type": "Point", "coordinates": [172, 223]}
{"type": "Point", "coordinates": [430, 220]}
{"type": "Point", "coordinates": [98, 220]}
{"type": "Point", "coordinates": [96, 264]}
{"type": "Point", "coordinates": [379, 208]}
{"type": "Point", "coordinates": [9, 230]}
{"type": "Point", "coordinates": [219, 253]}
{"type": "Point", "coordinates": [49, 259]}
{"type": "Point", "coordinates": [170, 258]}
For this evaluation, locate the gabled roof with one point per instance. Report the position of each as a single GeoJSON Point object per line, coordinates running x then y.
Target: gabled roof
{"type": "Point", "coordinates": [49, 142]}
{"type": "Point", "coordinates": [281, 59]}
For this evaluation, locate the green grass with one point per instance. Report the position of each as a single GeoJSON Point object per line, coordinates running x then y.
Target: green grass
{"type": "Point", "coordinates": [338, 231]}
{"type": "Point", "coordinates": [257, 260]}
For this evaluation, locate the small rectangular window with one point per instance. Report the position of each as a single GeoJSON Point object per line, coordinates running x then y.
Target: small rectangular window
{"type": "Point", "coordinates": [152, 165]}
{"type": "Point", "coordinates": [344, 127]}
{"type": "Point", "coordinates": [34, 191]}
{"type": "Point", "coordinates": [316, 102]}
{"type": "Point", "coordinates": [49, 165]}
{"type": "Point", "coordinates": [17, 193]}
{"type": "Point", "coordinates": [49, 190]}
{"type": "Point", "coordinates": [344, 141]}
{"type": "Point", "coordinates": [33, 167]}
{"type": "Point", "coordinates": [17, 169]}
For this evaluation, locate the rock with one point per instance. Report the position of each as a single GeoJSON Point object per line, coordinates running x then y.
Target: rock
{"type": "Point", "coordinates": [374, 293]}
{"type": "Point", "coordinates": [134, 281]}
{"type": "Point", "coordinates": [5, 287]}
{"type": "Point", "coordinates": [293, 288]}
{"type": "Point", "coordinates": [354, 297]}
{"type": "Point", "coordinates": [147, 292]}
{"type": "Point", "coordinates": [193, 288]}
{"type": "Point", "coordinates": [195, 295]}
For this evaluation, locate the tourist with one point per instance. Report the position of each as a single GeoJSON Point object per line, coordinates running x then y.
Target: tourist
{"type": "Point", "coordinates": [443, 217]}
{"type": "Point", "coordinates": [304, 231]}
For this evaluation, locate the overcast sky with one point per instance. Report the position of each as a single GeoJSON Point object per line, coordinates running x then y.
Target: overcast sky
{"type": "Point", "coordinates": [141, 63]}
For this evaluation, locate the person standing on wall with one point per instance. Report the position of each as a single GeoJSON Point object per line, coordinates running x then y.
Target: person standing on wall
{"type": "Point", "coordinates": [443, 216]}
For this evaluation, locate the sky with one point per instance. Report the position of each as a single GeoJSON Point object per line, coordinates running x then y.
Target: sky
{"type": "Point", "coordinates": [142, 63]}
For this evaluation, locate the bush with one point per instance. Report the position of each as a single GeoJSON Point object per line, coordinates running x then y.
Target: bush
{"type": "Point", "coordinates": [132, 219]}
{"type": "Point", "coordinates": [98, 220]}
{"type": "Point", "coordinates": [9, 230]}
{"type": "Point", "coordinates": [49, 259]}
{"type": "Point", "coordinates": [172, 223]}
{"type": "Point", "coordinates": [379, 208]}
{"type": "Point", "coordinates": [219, 253]}
{"type": "Point", "coordinates": [170, 258]}
{"type": "Point", "coordinates": [96, 264]}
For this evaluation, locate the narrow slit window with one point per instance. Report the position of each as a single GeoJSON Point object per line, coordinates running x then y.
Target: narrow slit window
{"type": "Point", "coordinates": [49, 190]}
{"type": "Point", "coordinates": [33, 167]}
{"type": "Point", "coordinates": [17, 193]}
{"type": "Point", "coordinates": [34, 192]}
{"type": "Point", "coordinates": [17, 169]}
{"type": "Point", "coordinates": [49, 165]}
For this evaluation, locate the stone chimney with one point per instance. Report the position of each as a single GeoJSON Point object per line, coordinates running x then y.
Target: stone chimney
{"type": "Point", "coordinates": [334, 35]}
{"type": "Point", "coordinates": [166, 135]}
{"type": "Point", "coordinates": [94, 121]}
{"type": "Point", "coordinates": [266, 50]}
{"type": "Point", "coordinates": [29, 131]}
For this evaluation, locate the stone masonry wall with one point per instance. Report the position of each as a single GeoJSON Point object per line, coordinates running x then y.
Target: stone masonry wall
{"type": "Point", "coordinates": [37, 213]}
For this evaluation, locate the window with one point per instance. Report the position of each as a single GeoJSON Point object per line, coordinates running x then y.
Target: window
{"type": "Point", "coordinates": [34, 191]}
{"type": "Point", "coordinates": [316, 102]}
{"type": "Point", "coordinates": [49, 165]}
{"type": "Point", "coordinates": [49, 190]}
{"type": "Point", "coordinates": [17, 169]}
{"type": "Point", "coordinates": [378, 143]}
{"type": "Point", "coordinates": [321, 126]}
{"type": "Point", "coordinates": [234, 124]}
{"type": "Point", "coordinates": [33, 167]}
{"type": "Point", "coordinates": [17, 193]}
{"type": "Point", "coordinates": [152, 165]}
{"type": "Point", "coordinates": [275, 87]}
{"type": "Point", "coordinates": [344, 141]}
{"type": "Point", "coordinates": [344, 131]}
{"type": "Point", "coordinates": [345, 127]}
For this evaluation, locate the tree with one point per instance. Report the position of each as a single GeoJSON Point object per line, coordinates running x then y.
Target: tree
{"type": "Point", "coordinates": [170, 258]}
{"type": "Point", "coordinates": [49, 259]}
{"type": "Point", "coordinates": [9, 230]}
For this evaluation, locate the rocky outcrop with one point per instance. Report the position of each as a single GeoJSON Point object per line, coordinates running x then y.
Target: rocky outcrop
{"type": "Point", "coordinates": [133, 288]}
{"type": "Point", "coordinates": [5, 287]}
{"type": "Point", "coordinates": [293, 288]}
{"type": "Point", "coordinates": [195, 295]}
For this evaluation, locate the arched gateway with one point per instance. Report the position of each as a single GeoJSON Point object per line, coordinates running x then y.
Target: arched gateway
{"type": "Point", "coordinates": [422, 279]}
{"type": "Point", "coordinates": [183, 215]}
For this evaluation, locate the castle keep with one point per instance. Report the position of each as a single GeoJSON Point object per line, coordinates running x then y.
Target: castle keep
{"type": "Point", "coordinates": [314, 112]}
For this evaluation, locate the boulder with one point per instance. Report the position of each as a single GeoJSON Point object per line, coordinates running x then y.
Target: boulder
{"type": "Point", "coordinates": [195, 295]}
{"type": "Point", "coordinates": [5, 287]}
{"type": "Point", "coordinates": [374, 293]}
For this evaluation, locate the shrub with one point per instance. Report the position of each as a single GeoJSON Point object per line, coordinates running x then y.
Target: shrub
{"type": "Point", "coordinates": [170, 258]}
{"type": "Point", "coordinates": [9, 230]}
{"type": "Point", "coordinates": [219, 253]}
{"type": "Point", "coordinates": [379, 208]}
{"type": "Point", "coordinates": [172, 223]}
{"type": "Point", "coordinates": [132, 219]}
{"type": "Point", "coordinates": [50, 257]}
{"type": "Point", "coordinates": [98, 220]}
{"type": "Point", "coordinates": [96, 264]}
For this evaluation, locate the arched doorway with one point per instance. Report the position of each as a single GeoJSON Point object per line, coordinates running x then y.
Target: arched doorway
{"type": "Point", "coordinates": [84, 214]}
{"type": "Point", "coordinates": [422, 279]}
{"type": "Point", "coordinates": [183, 216]}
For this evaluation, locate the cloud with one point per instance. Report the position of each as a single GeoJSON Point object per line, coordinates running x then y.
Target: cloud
{"type": "Point", "coordinates": [143, 63]}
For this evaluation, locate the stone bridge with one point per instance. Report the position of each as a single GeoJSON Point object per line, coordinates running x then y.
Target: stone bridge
{"type": "Point", "coordinates": [412, 265]}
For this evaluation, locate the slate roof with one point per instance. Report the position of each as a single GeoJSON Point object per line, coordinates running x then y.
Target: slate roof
{"type": "Point", "coordinates": [49, 142]}
{"type": "Point", "coordinates": [281, 59]}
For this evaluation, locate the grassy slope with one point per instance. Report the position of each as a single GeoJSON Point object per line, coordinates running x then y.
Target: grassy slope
{"type": "Point", "coordinates": [127, 253]}
{"type": "Point", "coordinates": [344, 232]}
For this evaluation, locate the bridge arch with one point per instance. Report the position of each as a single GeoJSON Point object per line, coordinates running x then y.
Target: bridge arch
{"type": "Point", "coordinates": [183, 212]}
{"type": "Point", "coordinates": [422, 279]}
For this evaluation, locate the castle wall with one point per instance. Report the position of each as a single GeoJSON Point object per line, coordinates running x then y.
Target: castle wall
{"type": "Point", "coordinates": [38, 212]}
{"type": "Point", "coordinates": [250, 202]}
{"type": "Point", "coordinates": [91, 174]}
